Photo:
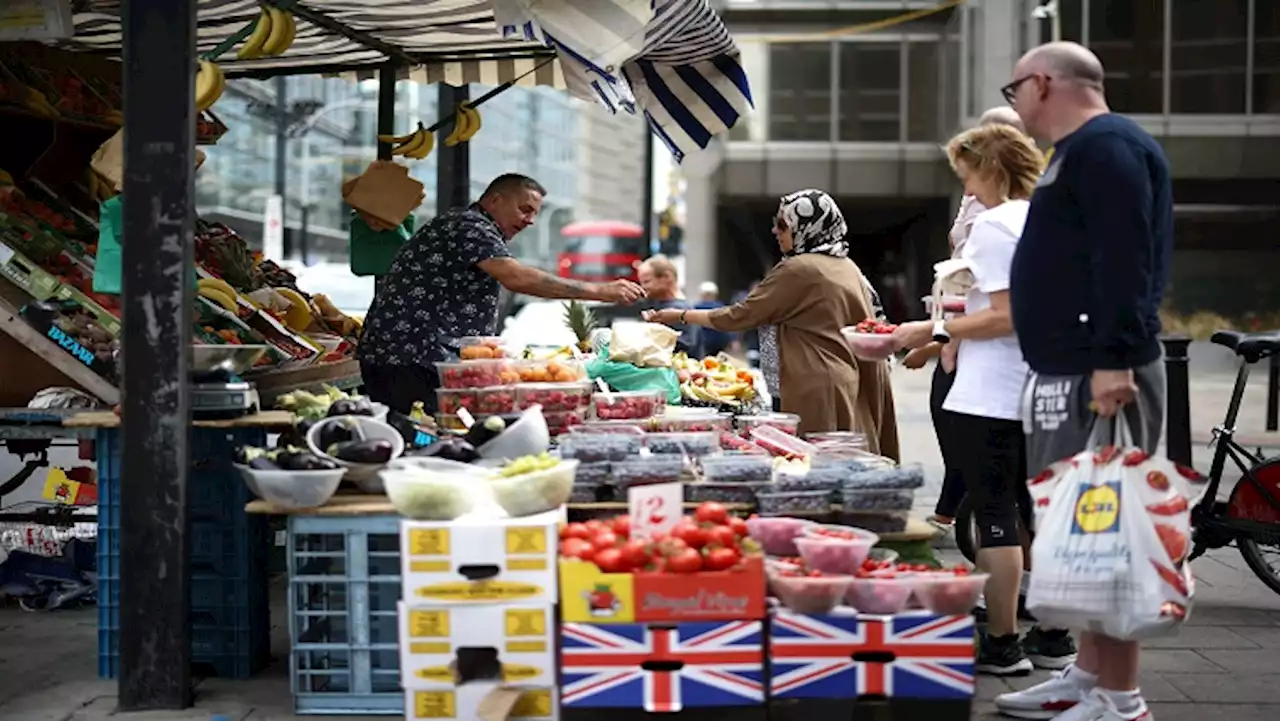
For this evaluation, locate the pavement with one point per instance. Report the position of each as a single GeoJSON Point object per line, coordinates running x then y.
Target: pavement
{"type": "Point", "coordinates": [1223, 663]}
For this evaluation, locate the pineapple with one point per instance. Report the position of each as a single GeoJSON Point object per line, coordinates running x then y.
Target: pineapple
{"type": "Point", "coordinates": [582, 322]}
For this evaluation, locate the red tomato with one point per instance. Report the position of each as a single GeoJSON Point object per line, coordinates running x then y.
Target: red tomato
{"type": "Point", "coordinates": [636, 553]}
{"type": "Point", "coordinates": [692, 535]}
{"type": "Point", "coordinates": [621, 526]}
{"type": "Point", "coordinates": [610, 560]}
{"type": "Point", "coordinates": [604, 539]}
{"type": "Point", "coordinates": [739, 527]}
{"type": "Point", "coordinates": [575, 530]}
{"type": "Point", "coordinates": [722, 536]}
{"type": "Point", "coordinates": [711, 512]}
{"type": "Point", "coordinates": [686, 561]}
{"type": "Point", "coordinates": [671, 546]}
{"type": "Point", "coordinates": [719, 559]}
{"type": "Point", "coordinates": [577, 548]}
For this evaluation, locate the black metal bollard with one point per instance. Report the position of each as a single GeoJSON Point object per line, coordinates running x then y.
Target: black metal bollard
{"type": "Point", "coordinates": [1273, 395]}
{"type": "Point", "coordinates": [1177, 427]}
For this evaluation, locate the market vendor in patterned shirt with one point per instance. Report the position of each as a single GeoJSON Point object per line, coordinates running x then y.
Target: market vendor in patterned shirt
{"type": "Point", "coordinates": [443, 285]}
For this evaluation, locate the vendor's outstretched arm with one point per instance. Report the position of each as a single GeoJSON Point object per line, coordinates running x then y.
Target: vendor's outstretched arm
{"type": "Point", "coordinates": [520, 278]}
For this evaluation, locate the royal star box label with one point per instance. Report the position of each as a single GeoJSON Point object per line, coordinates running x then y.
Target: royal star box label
{"type": "Point", "coordinates": [444, 646]}
{"type": "Point", "coordinates": [914, 654]}
{"type": "Point", "coordinates": [483, 700]}
{"type": "Point", "coordinates": [662, 668]}
{"type": "Point", "coordinates": [591, 596]}
{"type": "Point", "coordinates": [512, 560]}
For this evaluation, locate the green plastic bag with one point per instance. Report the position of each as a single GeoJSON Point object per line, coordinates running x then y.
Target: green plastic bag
{"type": "Point", "coordinates": [373, 250]}
{"type": "Point", "coordinates": [106, 269]}
{"type": "Point", "coordinates": [626, 377]}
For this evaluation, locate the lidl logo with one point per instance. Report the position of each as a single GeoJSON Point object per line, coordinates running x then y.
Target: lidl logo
{"type": "Point", "coordinates": [1097, 509]}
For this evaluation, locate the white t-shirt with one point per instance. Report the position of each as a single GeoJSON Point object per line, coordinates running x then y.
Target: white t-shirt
{"type": "Point", "coordinates": [990, 372]}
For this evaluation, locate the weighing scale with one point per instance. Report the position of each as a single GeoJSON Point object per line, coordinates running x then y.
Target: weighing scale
{"type": "Point", "coordinates": [217, 390]}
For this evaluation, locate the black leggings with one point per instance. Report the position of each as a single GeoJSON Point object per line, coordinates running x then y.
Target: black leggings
{"type": "Point", "coordinates": [992, 460]}
{"type": "Point", "coordinates": [399, 386]}
{"type": "Point", "coordinates": [952, 484]}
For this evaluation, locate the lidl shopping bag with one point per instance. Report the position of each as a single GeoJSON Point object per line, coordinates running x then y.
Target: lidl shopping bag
{"type": "Point", "coordinates": [1113, 530]}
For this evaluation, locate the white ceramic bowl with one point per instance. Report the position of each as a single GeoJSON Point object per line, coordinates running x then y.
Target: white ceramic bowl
{"type": "Point", "coordinates": [528, 436]}
{"type": "Point", "coordinates": [292, 489]}
{"type": "Point", "coordinates": [364, 475]}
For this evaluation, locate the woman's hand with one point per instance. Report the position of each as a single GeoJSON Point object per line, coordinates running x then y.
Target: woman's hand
{"type": "Point", "coordinates": [665, 316]}
{"type": "Point", "coordinates": [915, 334]}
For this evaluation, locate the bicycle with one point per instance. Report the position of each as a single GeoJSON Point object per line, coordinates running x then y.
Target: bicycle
{"type": "Point", "coordinates": [1250, 516]}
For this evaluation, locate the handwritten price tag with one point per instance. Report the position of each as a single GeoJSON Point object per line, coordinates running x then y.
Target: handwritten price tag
{"type": "Point", "coordinates": [655, 508]}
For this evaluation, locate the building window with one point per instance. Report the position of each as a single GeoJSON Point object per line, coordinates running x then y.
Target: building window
{"type": "Point", "coordinates": [1070, 21]}
{"type": "Point", "coordinates": [1209, 54]}
{"type": "Point", "coordinates": [800, 91]}
{"type": "Point", "coordinates": [1128, 36]}
{"type": "Point", "coordinates": [870, 86]}
{"type": "Point", "coordinates": [924, 93]}
{"type": "Point", "coordinates": [1266, 57]}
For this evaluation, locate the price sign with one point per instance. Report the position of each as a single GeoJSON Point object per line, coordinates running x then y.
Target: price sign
{"type": "Point", "coordinates": [655, 508]}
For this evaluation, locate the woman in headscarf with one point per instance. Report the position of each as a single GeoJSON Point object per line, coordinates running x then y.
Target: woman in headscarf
{"type": "Point", "coordinates": [807, 298]}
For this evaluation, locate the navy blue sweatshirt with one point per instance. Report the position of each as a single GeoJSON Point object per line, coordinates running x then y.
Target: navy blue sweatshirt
{"type": "Point", "coordinates": [1091, 268]}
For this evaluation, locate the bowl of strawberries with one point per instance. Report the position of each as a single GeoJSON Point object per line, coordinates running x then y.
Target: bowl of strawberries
{"type": "Point", "coordinates": [871, 339]}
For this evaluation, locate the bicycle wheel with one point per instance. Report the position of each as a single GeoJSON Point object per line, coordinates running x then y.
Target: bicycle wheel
{"type": "Point", "coordinates": [966, 530]}
{"type": "Point", "coordinates": [1266, 569]}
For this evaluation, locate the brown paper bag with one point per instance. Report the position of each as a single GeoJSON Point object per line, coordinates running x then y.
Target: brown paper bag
{"type": "Point", "coordinates": [385, 192]}
{"type": "Point", "coordinates": [497, 705]}
{"type": "Point", "coordinates": [108, 160]}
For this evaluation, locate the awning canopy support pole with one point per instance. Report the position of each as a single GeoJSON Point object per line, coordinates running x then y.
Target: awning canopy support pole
{"type": "Point", "coordinates": [386, 107]}
{"type": "Point", "coordinates": [453, 163]}
{"type": "Point", "coordinates": [159, 56]}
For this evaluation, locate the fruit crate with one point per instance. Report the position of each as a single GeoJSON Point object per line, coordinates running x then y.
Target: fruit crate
{"type": "Point", "coordinates": [344, 584]}
{"type": "Point", "coordinates": [26, 274]}
{"type": "Point", "coordinates": [229, 615]}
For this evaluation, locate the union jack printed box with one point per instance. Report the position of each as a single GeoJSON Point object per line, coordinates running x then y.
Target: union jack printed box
{"type": "Point", "coordinates": [915, 654]}
{"type": "Point", "coordinates": [662, 669]}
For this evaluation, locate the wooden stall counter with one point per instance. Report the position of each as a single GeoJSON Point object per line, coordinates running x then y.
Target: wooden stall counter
{"type": "Point", "coordinates": [340, 505]}
{"type": "Point", "coordinates": [108, 419]}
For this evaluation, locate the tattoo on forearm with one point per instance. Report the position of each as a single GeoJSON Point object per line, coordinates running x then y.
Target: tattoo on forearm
{"type": "Point", "coordinates": [545, 285]}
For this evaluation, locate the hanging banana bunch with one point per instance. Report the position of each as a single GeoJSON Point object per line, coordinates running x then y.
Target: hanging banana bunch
{"type": "Point", "coordinates": [273, 34]}
{"type": "Point", "coordinates": [466, 123]}
{"type": "Point", "coordinates": [210, 84]}
{"type": "Point", "coordinates": [416, 145]}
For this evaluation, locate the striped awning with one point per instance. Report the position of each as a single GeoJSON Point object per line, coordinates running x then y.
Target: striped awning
{"type": "Point", "coordinates": [452, 41]}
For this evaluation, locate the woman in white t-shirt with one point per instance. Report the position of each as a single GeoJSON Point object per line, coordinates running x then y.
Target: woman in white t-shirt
{"type": "Point", "coordinates": [1000, 167]}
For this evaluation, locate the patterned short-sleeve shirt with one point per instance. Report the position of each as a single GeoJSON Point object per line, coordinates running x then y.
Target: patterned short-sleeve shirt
{"type": "Point", "coordinates": [435, 293]}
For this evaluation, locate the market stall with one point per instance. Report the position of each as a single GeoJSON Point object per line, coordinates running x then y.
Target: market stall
{"type": "Point", "coordinates": [574, 548]}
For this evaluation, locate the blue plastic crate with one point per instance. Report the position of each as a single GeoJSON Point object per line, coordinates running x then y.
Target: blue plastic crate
{"type": "Point", "coordinates": [344, 584]}
{"type": "Point", "coordinates": [230, 614]}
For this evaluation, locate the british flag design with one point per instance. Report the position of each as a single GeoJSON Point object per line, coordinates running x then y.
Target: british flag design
{"type": "Point", "coordinates": [910, 655]}
{"type": "Point", "coordinates": [636, 665]}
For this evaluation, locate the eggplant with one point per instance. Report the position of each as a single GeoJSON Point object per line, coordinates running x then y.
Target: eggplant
{"type": "Point", "coordinates": [339, 431]}
{"type": "Point", "coordinates": [245, 455]}
{"type": "Point", "coordinates": [374, 452]}
{"type": "Point", "coordinates": [485, 431]}
{"type": "Point", "coordinates": [360, 406]}
{"type": "Point", "coordinates": [305, 461]}
{"type": "Point", "coordinates": [262, 463]}
{"type": "Point", "coordinates": [351, 407]}
{"type": "Point", "coordinates": [449, 449]}
{"type": "Point", "coordinates": [297, 435]}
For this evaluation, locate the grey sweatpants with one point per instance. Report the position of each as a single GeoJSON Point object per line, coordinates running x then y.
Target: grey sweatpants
{"type": "Point", "coordinates": [1058, 422]}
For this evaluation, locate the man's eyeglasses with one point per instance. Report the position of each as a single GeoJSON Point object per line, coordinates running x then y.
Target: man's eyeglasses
{"type": "Point", "coordinates": [1010, 91]}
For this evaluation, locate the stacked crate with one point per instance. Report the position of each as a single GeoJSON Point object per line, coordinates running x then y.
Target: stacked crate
{"type": "Point", "coordinates": [230, 616]}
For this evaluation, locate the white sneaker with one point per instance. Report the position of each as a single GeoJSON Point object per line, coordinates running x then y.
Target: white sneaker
{"type": "Point", "coordinates": [1098, 706]}
{"type": "Point", "coordinates": [1045, 700]}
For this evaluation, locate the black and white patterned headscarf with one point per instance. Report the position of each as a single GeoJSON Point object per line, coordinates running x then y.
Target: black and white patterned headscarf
{"type": "Point", "coordinates": [816, 223]}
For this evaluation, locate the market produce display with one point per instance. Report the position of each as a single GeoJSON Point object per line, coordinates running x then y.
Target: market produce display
{"type": "Point", "coordinates": [273, 34]}
{"type": "Point", "coordinates": [333, 402]}
{"type": "Point", "coordinates": [710, 539]}
{"type": "Point", "coordinates": [713, 381]}
{"type": "Point", "coordinates": [871, 339]}
{"type": "Point", "coordinates": [288, 458]}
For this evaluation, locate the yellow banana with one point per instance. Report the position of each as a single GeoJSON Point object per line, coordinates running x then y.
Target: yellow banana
{"type": "Point", "coordinates": [291, 32]}
{"type": "Point", "coordinates": [279, 32]}
{"type": "Point", "coordinates": [473, 121]}
{"type": "Point", "coordinates": [219, 298]}
{"type": "Point", "coordinates": [209, 85]}
{"type": "Point", "coordinates": [219, 285]}
{"type": "Point", "coordinates": [253, 45]}
{"type": "Point", "coordinates": [461, 124]}
{"type": "Point", "coordinates": [425, 147]}
{"type": "Point", "coordinates": [397, 139]}
{"type": "Point", "coordinates": [411, 145]}
{"type": "Point", "coordinates": [298, 316]}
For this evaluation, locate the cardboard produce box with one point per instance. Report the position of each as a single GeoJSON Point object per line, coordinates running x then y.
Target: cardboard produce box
{"type": "Point", "coordinates": [487, 561]}
{"type": "Point", "coordinates": [448, 646]}
{"type": "Point", "coordinates": [593, 596]}
{"type": "Point", "coordinates": [484, 701]}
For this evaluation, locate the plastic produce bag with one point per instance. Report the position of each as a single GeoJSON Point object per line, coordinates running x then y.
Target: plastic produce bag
{"type": "Point", "coordinates": [646, 345]}
{"type": "Point", "coordinates": [627, 377]}
{"type": "Point", "coordinates": [106, 273]}
{"type": "Point", "coordinates": [1113, 530]}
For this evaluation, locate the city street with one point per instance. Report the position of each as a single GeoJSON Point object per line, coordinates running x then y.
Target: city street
{"type": "Point", "coordinates": [1222, 664]}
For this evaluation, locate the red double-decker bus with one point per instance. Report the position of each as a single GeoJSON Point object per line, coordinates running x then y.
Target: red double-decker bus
{"type": "Point", "coordinates": [602, 250]}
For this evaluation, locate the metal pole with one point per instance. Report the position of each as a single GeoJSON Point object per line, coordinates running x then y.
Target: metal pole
{"type": "Point", "coordinates": [386, 107]}
{"type": "Point", "coordinates": [282, 148]}
{"type": "Point", "coordinates": [159, 57]}
{"type": "Point", "coordinates": [1178, 398]}
{"type": "Point", "coordinates": [453, 164]}
{"type": "Point", "coordinates": [646, 193]}
{"type": "Point", "coordinates": [304, 212]}
{"type": "Point", "coordinates": [1273, 395]}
